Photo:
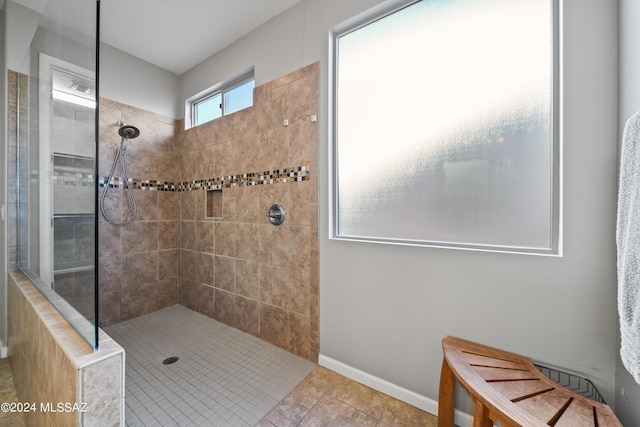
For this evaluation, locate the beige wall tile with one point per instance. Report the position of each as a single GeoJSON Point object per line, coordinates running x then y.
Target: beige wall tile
{"type": "Point", "coordinates": [168, 292]}
{"type": "Point", "coordinates": [168, 206]}
{"type": "Point", "coordinates": [204, 236]}
{"type": "Point", "coordinates": [200, 203]}
{"type": "Point", "coordinates": [188, 205]}
{"type": "Point", "coordinates": [229, 204]}
{"type": "Point", "coordinates": [110, 274]}
{"type": "Point", "coordinates": [299, 342]}
{"type": "Point", "coordinates": [265, 277]}
{"type": "Point", "coordinates": [139, 237]}
{"type": "Point", "coordinates": [169, 166]}
{"type": "Point", "coordinates": [247, 152]}
{"type": "Point", "coordinates": [139, 268]}
{"type": "Point", "coordinates": [225, 273]}
{"type": "Point", "coordinates": [247, 315]}
{"type": "Point", "coordinates": [204, 268]}
{"type": "Point", "coordinates": [225, 239]}
{"type": "Point", "coordinates": [298, 206]}
{"type": "Point", "coordinates": [102, 391]}
{"type": "Point", "coordinates": [274, 288]}
{"type": "Point", "coordinates": [247, 241]}
{"type": "Point", "coordinates": [298, 294]}
{"type": "Point", "coordinates": [247, 206]}
{"type": "Point", "coordinates": [139, 299]}
{"type": "Point", "coordinates": [110, 240]}
{"type": "Point", "coordinates": [296, 240]}
{"type": "Point", "coordinates": [197, 297]}
{"type": "Point", "coordinates": [169, 263]}
{"type": "Point", "coordinates": [190, 159]}
{"type": "Point", "coordinates": [110, 306]}
{"type": "Point", "coordinates": [167, 134]}
{"type": "Point", "coordinates": [272, 244]}
{"type": "Point", "coordinates": [247, 279]}
{"type": "Point", "coordinates": [274, 147]}
{"type": "Point", "coordinates": [275, 326]}
{"type": "Point", "coordinates": [188, 265]}
{"type": "Point", "coordinates": [168, 235]}
{"type": "Point", "coordinates": [224, 307]}
{"type": "Point", "coordinates": [147, 204]}
{"type": "Point", "coordinates": [188, 235]}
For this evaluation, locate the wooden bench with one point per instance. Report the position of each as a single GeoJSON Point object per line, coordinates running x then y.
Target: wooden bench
{"type": "Point", "coordinates": [509, 390]}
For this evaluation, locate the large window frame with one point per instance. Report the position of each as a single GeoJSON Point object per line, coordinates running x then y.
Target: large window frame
{"type": "Point", "coordinates": [380, 12]}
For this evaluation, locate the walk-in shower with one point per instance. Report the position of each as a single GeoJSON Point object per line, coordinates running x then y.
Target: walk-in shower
{"type": "Point", "coordinates": [126, 132]}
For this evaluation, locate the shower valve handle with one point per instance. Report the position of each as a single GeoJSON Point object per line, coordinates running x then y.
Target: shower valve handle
{"type": "Point", "coordinates": [276, 215]}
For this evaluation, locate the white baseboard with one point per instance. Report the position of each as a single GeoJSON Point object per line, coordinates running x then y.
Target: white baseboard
{"type": "Point", "coordinates": [419, 401]}
{"type": "Point", "coordinates": [4, 351]}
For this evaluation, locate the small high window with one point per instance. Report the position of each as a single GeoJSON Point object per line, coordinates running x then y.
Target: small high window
{"type": "Point", "coordinates": [208, 109]}
{"type": "Point", "coordinates": [220, 100]}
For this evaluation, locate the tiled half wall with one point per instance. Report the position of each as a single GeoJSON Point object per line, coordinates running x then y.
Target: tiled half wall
{"type": "Point", "coordinates": [233, 265]}
{"type": "Point", "coordinates": [52, 364]}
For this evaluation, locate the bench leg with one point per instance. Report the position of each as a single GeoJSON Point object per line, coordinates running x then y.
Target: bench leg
{"type": "Point", "coordinates": [481, 415]}
{"type": "Point", "coordinates": [446, 400]}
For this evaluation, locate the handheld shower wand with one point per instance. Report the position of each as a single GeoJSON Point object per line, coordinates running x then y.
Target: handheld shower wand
{"type": "Point", "coordinates": [126, 133]}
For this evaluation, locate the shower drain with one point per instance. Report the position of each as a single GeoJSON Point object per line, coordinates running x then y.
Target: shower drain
{"type": "Point", "coordinates": [170, 360]}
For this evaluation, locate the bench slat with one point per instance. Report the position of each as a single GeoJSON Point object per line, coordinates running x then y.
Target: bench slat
{"type": "Point", "coordinates": [511, 391]}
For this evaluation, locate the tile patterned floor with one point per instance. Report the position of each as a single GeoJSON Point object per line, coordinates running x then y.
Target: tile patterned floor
{"type": "Point", "coordinates": [223, 377]}
{"type": "Point", "coordinates": [8, 395]}
{"type": "Point", "coordinates": [241, 389]}
{"type": "Point", "coordinates": [325, 398]}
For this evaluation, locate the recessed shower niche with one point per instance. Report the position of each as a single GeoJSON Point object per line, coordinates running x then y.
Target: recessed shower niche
{"type": "Point", "coordinates": [214, 204]}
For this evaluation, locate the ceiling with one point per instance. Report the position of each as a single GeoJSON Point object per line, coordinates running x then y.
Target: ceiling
{"type": "Point", "coordinates": [175, 35]}
{"type": "Point", "coordinates": [179, 34]}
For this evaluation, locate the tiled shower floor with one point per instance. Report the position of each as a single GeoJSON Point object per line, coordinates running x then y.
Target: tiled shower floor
{"type": "Point", "coordinates": [223, 377]}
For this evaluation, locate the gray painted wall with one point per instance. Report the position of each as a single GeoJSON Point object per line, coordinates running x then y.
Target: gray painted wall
{"type": "Point", "coordinates": [22, 24]}
{"type": "Point", "coordinates": [124, 78]}
{"type": "Point", "coordinates": [132, 81]}
{"type": "Point", "coordinates": [384, 309]}
{"type": "Point", "coordinates": [627, 390]}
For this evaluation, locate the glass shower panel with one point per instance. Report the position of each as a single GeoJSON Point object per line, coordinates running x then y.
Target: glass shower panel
{"type": "Point", "coordinates": [57, 161]}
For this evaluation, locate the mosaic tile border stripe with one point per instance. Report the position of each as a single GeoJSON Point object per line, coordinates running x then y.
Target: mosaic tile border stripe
{"type": "Point", "coordinates": [276, 176]}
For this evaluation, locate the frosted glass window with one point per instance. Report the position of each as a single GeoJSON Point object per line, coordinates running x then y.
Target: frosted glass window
{"type": "Point", "coordinates": [444, 115]}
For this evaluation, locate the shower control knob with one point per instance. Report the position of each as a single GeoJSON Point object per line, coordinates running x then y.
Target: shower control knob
{"type": "Point", "coordinates": [276, 215]}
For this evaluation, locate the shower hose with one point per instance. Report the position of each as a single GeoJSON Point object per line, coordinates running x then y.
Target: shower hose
{"type": "Point", "coordinates": [119, 155]}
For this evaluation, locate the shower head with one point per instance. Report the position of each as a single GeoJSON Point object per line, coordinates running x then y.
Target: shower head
{"type": "Point", "coordinates": [128, 132]}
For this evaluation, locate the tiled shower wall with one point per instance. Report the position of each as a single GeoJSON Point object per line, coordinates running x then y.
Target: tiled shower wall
{"type": "Point", "coordinates": [138, 263]}
{"type": "Point", "coordinates": [230, 263]}
{"type": "Point", "coordinates": [240, 269]}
